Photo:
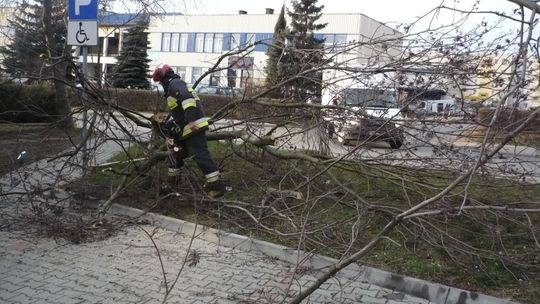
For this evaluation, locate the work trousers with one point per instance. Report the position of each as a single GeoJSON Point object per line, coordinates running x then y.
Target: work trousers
{"type": "Point", "coordinates": [195, 145]}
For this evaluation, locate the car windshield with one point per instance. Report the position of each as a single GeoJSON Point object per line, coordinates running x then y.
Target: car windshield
{"type": "Point", "coordinates": [226, 91]}
{"type": "Point", "coordinates": [369, 98]}
{"type": "Point", "coordinates": [207, 90]}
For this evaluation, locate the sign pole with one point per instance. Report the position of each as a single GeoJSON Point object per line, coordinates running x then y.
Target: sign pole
{"type": "Point", "coordinates": [84, 130]}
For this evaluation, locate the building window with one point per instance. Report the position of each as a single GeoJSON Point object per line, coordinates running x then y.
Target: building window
{"type": "Point", "coordinates": [199, 43]}
{"type": "Point", "coordinates": [264, 40]}
{"type": "Point", "coordinates": [175, 39]}
{"type": "Point", "coordinates": [235, 41]}
{"type": "Point", "coordinates": [250, 39]}
{"type": "Point", "coordinates": [196, 73]}
{"type": "Point", "coordinates": [180, 71]}
{"type": "Point", "coordinates": [183, 42]}
{"type": "Point", "coordinates": [218, 43]}
{"type": "Point", "coordinates": [166, 42]}
{"type": "Point", "coordinates": [339, 42]}
{"type": "Point", "coordinates": [112, 45]}
{"type": "Point", "coordinates": [215, 79]}
{"type": "Point", "coordinates": [334, 42]}
{"type": "Point", "coordinates": [208, 43]}
{"type": "Point", "coordinates": [328, 41]}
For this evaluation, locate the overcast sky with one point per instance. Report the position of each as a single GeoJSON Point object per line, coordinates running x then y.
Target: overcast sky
{"type": "Point", "coordinates": [387, 11]}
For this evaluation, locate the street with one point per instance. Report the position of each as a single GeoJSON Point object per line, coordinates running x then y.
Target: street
{"type": "Point", "coordinates": [428, 146]}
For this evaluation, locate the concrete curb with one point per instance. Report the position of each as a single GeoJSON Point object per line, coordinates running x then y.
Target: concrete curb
{"type": "Point", "coordinates": [433, 292]}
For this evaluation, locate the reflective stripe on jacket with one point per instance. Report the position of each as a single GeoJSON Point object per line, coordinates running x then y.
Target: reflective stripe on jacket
{"type": "Point", "coordinates": [201, 123]}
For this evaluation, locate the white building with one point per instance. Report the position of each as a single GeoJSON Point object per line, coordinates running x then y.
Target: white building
{"type": "Point", "coordinates": [192, 44]}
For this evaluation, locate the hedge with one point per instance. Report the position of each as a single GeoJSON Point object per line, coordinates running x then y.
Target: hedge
{"type": "Point", "coordinates": [508, 119]}
{"type": "Point", "coordinates": [152, 101]}
{"type": "Point", "coordinates": [27, 103]}
{"type": "Point", "coordinates": [35, 103]}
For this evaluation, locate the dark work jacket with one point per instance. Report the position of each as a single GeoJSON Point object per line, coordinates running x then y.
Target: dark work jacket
{"type": "Point", "coordinates": [185, 106]}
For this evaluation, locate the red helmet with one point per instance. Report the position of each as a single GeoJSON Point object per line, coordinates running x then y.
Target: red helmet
{"type": "Point", "coordinates": [160, 71]}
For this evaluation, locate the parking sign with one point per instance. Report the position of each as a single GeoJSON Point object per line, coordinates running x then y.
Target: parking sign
{"type": "Point", "coordinates": [83, 32]}
{"type": "Point", "coordinates": [83, 9]}
{"type": "Point", "coordinates": [82, 25]}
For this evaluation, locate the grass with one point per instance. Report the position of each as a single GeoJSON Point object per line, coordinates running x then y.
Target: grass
{"type": "Point", "coordinates": [414, 248]}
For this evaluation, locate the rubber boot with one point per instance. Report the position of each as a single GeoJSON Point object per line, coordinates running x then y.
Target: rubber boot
{"type": "Point", "coordinates": [215, 189]}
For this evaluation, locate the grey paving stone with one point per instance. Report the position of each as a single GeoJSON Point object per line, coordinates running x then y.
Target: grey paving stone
{"type": "Point", "coordinates": [22, 298]}
{"type": "Point", "coordinates": [41, 301]}
{"type": "Point", "coordinates": [372, 300]}
{"type": "Point", "coordinates": [9, 286]}
{"type": "Point", "coordinates": [47, 295]}
{"type": "Point", "coordinates": [6, 295]}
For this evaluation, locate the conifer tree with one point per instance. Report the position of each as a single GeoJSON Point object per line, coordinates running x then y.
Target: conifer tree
{"type": "Point", "coordinates": [275, 51]}
{"type": "Point", "coordinates": [25, 54]}
{"type": "Point", "coordinates": [131, 70]}
{"type": "Point", "coordinates": [304, 50]}
{"type": "Point", "coordinates": [38, 51]}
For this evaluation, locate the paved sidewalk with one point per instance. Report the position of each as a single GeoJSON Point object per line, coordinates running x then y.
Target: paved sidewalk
{"type": "Point", "coordinates": [126, 269]}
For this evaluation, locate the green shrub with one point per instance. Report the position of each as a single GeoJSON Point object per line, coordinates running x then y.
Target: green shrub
{"type": "Point", "coordinates": [136, 100]}
{"type": "Point", "coordinates": [27, 103]}
{"type": "Point", "coordinates": [152, 101]}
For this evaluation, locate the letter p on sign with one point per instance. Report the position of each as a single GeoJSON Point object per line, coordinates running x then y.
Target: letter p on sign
{"type": "Point", "coordinates": [79, 3]}
{"type": "Point", "coordinates": [83, 9]}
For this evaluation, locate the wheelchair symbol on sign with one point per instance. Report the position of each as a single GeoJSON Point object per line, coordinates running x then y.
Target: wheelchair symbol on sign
{"type": "Point", "coordinates": [81, 35]}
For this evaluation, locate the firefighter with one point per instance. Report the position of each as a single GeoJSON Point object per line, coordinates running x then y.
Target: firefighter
{"type": "Point", "coordinates": [187, 127]}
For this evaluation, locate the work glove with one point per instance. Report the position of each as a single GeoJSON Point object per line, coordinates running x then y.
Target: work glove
{"type": "Point", "coordinates": [191, 125]}
{"type": "Point", "coordinates": [170, 129]}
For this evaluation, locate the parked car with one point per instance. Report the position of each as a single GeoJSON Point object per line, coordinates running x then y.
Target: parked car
{"type": "Point", "coordinates": [216, 90]}
{"type": "Point", "coordinates": [374, 116]}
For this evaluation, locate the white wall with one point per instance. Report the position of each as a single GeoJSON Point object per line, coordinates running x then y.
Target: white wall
{"type": "Point", "coordinates": [356, 26]}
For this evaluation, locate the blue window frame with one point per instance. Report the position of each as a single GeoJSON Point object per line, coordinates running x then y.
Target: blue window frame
{"type": "Point", "coordinates": [191, 43]}
{"type": "Point", "coordinates": [340, 40]}
{"type": "Point", "coordinates": [334, 42]}
{"type": "Point", "coordinates": [265, 39]}
{"type": "Point", "coordinates": [318, 36]}
{"type": "Point", "coordinates": [242, 40]}
{"type": "Point", "coordinates": [227, 41]}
